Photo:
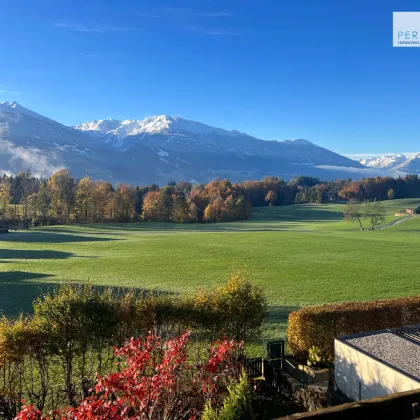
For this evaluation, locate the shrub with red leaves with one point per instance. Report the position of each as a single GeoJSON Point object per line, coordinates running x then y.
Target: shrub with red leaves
{"type": "Point", "coordinates": [156, 380]}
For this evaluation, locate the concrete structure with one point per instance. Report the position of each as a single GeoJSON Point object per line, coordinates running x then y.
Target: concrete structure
{"type": "Point", "coordinates": [378, 363]}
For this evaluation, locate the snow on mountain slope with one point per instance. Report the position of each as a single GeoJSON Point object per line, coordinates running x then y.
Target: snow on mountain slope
{"type": "Point", "coordinates": [167, 134]}
{"type": "Point", "coordinates": [99, 126]}
{"type": "Point", "coordinates": [16, 109]}
{"type": "Point", "coordinates": [161, 124]}
{"type": "Point", "coordinates": [384, 162]}
{"type": "Point", "coordinates": [31, 141]}
{"type": "Point", "coordinates": [156, 149]}
{"type": "Point", "coordinates": [410, 165]}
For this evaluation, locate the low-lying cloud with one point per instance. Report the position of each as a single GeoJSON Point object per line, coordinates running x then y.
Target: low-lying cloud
{"type": "Point", "coordinates": [24, 158]}
{"type": "Point", "coordinates": [363, 172]}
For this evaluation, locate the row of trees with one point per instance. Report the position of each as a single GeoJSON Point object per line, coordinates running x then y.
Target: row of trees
{"type": "Point", "coordinates": [382, 188]}
{"type": "Point", "coordinates": [61, 198]}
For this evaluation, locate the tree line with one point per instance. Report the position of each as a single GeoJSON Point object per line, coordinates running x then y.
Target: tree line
{"type": "Point", "coordinates": [63, 199]}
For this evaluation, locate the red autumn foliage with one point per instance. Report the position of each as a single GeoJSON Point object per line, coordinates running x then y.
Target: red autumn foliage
{"type": "Point", "coordinates": [156, 380]}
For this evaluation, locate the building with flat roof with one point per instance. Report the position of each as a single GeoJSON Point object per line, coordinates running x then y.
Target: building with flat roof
{"type": "Point", "coordinates": [378, 363]}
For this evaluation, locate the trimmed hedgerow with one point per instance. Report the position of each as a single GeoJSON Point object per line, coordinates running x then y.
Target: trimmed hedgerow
{"type": "Point", "coordinates": [317, 326]}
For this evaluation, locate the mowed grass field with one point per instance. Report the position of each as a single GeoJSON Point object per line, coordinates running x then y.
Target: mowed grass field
{"type": "Point", "coordinates": [300, 255]}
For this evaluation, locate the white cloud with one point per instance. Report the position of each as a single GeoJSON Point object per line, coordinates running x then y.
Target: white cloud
{"type": "Point", "coordinates": [149, 15]}
{"type": "Point", "coordinates": [214, 14]}
{"type": "Point", "coordinates": [214, 32]}
{"type": "Point", "coordinates": [29, 158]}
{"type": "Point", "coordinates": [96, 27]}
{"type": "Point", "coordinates": [4, 172]}
{"type": "Point", "coordinates": [107, 56]}
{"type": "Point", "coordinates": [368, 172]}
{"type": "Point", "coordinates": [194, 12]}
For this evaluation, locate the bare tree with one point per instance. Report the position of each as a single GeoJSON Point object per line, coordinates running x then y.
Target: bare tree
{"type": "Point", "coordinates": [374, 213]}
{"type": "Point", "coordinates": [354, 213]}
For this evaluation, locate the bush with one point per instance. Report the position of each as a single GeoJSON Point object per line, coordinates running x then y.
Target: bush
{"type": "Point", "coordinates": [236, 309]}
{"type": "Point", "coordinates": [237, 405]}
{"type": "Point", "coordinates": [317, 358]}
{"type": "Point", "coordinates": [319, 325]}
{"type": "Point", "coordinates": [52, 358]}
{"type": "Point", "coordinates": [158, 379]}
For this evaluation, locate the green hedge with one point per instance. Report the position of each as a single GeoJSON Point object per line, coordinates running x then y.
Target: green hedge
{"type": "Point", "coordinates": [319, 325]}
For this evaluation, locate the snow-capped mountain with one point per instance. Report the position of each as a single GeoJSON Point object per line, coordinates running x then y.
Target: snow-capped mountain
{"type": "Point", "coordinates": [162, 124]}
{"type": "Point", "coordinates": [156, 149]}
{"type": "Point", "coordinates": [16, 109]}
{"type": "Point", "coordinates": [384, 162]}
{"type": "Point", "coordinates": [168, 135]}
{"type": "Point", "coordinates": [100, 127]}
{"type": "Point", "coordinates": [411, 165]}
{"type": "Point", "coordinates": [31, 141]}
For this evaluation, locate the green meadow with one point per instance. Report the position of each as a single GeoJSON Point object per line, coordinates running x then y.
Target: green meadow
{"type": "Point", "coordinates": [300, 255]}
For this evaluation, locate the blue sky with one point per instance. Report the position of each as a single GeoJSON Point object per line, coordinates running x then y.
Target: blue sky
{"type": "Point", "coordinates": [317, 69]}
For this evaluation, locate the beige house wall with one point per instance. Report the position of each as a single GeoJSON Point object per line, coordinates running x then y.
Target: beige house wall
{"type": "Point", "coordinates": [376, 379]}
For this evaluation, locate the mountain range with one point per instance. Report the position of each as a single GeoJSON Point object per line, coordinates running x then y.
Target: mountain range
{"type": "Point", "coordinates": [395, 163]}
{"type": "Point", "coordinates": [158, 149]}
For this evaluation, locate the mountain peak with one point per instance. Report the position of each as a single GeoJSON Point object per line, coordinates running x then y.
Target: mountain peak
{"type": "Point", "coordinates": [99, 126]}
{"type": "Point", "coordinates": [302, 142]}
{"type": "Point", "coordinates": [384, 162]}
{"type": "Point", "coordinates": [158, 124]}
{"type": "Point", "coordinates": [298, 142]}
{"type": "Point", "coordinates": [155, 149]}
{"type": "Point", "coordinates": [11, 105]}
{"type": "Point", "coordinates": [16, 108]}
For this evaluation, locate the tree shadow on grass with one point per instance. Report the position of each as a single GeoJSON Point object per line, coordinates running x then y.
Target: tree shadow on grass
{"type": "Point", "coordinates": [229, 227]}
{"type": "Point", "coordinates": [299, 213]}
{"type": "Point", "coordinates": [76, 229]}
{"type": "Point", "coordinates": [275, 326]}
{"type": "Point", "coordinates": [18, 289]}
{"type": "Point", "coordinates": [16, 277]}
{"type": "Point", "coordinates": [52, 238]}
{"type": "Point", "coordinates": [279, 314]}
{"type": "Point", "coordinates": [26, 254]}
{"type": "Point", "coordinates": [273, 329]}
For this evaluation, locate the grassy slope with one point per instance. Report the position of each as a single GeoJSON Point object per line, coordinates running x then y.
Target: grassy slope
{"type": "Point", "coordinates": [300, 254]}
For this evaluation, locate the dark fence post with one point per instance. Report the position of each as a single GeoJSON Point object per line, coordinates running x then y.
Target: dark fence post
{"type": "Point", "coordinates": [267, 368]}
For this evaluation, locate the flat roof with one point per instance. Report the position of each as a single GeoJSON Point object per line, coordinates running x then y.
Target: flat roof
{"type": "Point", "coordinates": [399, 348]}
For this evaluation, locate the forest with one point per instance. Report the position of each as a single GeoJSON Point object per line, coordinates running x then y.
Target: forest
{"type": "Point", "coordinates": [63, 199]}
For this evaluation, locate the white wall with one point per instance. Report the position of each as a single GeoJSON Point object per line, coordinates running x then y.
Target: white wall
{"type": "Point", "coordinates": [377, 379]}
